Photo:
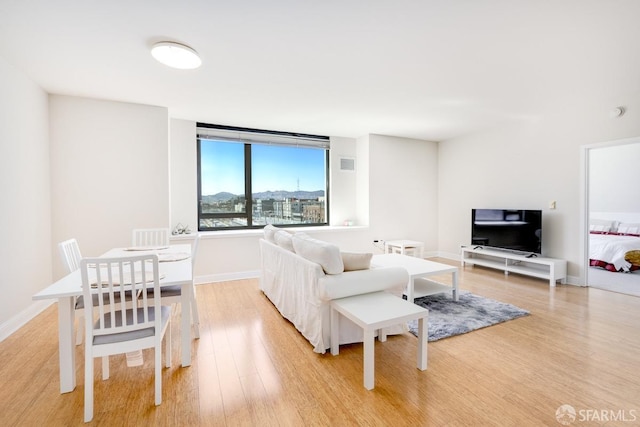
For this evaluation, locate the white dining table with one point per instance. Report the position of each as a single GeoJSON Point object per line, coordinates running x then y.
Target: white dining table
{"type": "Point", "coordinates": [69, 287]}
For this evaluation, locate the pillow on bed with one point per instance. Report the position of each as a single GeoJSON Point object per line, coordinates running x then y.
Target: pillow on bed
{"type": "Point", "coordinates": [601, 225]}
{"type": "Point", "coordinates": [629, 229]}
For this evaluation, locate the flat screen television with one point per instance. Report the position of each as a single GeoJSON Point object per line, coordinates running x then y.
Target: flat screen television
{"type": "Point", "coordinates": [509, 229]}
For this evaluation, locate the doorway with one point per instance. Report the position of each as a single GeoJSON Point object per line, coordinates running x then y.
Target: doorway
{"type": "Point", "coordinates": [612, 215]}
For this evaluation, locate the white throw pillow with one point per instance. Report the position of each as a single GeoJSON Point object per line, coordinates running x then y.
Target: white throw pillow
{"type": "Point", "coordinates": [269, 233]}
{"type": "Point", "coordinates": [323, 253]}
{"type": "Point", "coordinates": [283, 239]}
{"type": "Point", "coordinates": [356, 261]}
{"type": "Point", "coordinates": [629, 228]}
{"type": "Point", "coordinates": [601, 225]}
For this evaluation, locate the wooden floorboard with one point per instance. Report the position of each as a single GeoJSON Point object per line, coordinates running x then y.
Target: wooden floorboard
{"type": "Point", "coordinates": [579, 346]}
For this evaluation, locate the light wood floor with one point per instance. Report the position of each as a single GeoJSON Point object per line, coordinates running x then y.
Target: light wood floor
{"type": "Point", "coordinates": [579, 347]}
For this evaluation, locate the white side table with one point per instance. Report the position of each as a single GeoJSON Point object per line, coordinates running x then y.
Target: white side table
{"type": "Point", "coordinates": [403, 247]}
{"type": "Point", "coordinates": [375, 311]}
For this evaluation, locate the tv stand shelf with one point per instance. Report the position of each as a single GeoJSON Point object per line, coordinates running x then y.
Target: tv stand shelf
{"type": "Point", "coordinates": [550, 269]}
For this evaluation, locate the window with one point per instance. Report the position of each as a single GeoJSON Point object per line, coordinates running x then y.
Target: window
{"type": "Point", "coordinates": [248, 178]}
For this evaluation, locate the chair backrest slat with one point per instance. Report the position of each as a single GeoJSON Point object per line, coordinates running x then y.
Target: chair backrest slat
{"type": "Point", "coordinates": [115, 280]}
{"type": "Point", "coordinates": [70, 254]}
{"type": "Point", "coordinates": [150, 237]}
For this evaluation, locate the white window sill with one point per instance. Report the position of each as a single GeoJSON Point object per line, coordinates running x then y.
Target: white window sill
{"type": "Point", "coordinates": [231, 234]}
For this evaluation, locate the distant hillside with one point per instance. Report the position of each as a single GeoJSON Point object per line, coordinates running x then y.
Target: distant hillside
{"type": "Point", "coordinates": [219, 197]}
{"type": "Point", "coordinates": [281, 195]}
{"type": "Point", "coordinates": [277, 195]}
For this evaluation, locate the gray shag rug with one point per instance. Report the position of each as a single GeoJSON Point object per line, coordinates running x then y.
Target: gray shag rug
{"type": "Point", "coordinates": [448, 317]}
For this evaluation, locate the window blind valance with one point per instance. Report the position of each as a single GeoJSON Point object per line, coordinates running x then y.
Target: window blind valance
{"type": "Point", "coordinates": [260, 136]}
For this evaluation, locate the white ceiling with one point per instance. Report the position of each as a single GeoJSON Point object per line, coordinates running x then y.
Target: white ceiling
{"type": "Point", "coordinates": [427, 69]}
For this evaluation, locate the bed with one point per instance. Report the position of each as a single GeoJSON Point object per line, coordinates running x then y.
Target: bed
{"type": "Point", "coordinates": [614, 245]}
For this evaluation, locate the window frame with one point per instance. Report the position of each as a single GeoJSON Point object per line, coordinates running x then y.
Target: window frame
{"type": "Point", "coordinates": [248, 193]}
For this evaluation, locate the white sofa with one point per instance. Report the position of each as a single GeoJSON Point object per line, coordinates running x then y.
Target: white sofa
{"type": "Point", "coordinates": [302, 290]}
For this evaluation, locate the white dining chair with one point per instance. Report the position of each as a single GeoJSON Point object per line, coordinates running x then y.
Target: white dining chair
{"type": "Point", "coordinates": [150, 237]}
{"type": "Point", "coordinates": [172, 294]}
{"type": "Point", "coordinates": [116, 331]}
{"type": "Point", "coordinates": [71, 256]}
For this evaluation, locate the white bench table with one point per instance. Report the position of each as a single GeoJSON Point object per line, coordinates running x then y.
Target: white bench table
{"type": "Point", "coordinates": [376, 311]}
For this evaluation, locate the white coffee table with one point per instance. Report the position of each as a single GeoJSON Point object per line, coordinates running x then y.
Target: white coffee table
{"type": "Point", "coordinates": [376, 311]}
{"type": "Point", "coordinates": [419, 270]}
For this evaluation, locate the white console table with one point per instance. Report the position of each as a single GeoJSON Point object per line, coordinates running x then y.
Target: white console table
{"type": "Point", "coordinates": [550, 269]}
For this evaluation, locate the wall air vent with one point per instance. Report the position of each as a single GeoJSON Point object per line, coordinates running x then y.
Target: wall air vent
{"type": "Point", "coordinates": [347, 164]}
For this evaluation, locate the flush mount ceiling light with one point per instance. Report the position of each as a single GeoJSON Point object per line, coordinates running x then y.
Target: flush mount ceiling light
{"type": "Point", "coordinates": [176, 55]}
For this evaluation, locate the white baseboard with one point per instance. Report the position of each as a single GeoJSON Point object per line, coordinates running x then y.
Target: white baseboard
{"type": "Point", "coordinates": [16, 322]}
{"type": "Point", "coordinates": [575, 281]}
{"type": "Point", "coordinates": [447, 255]}
{"type": "Point", "coordinates": [225, 277]}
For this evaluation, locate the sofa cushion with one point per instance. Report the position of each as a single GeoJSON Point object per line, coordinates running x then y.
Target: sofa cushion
{"type": "Point", "coordinates": [323, 253]}
{"type": "Point", "coordinates": [356, 261]}
{"type": "Point", "coordinates": [269, 233]}
{"type": "Point", "coordinates": [333, 286]}
{"type": "Point", "coordinates": [283, 239]}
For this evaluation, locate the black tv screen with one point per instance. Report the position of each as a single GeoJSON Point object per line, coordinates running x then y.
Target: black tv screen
{"type": "Point", "coordinates": [510, 229]}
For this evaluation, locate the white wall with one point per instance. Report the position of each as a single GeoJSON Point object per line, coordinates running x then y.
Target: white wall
{"type": "Point", "coordinates": [184, 175]}
{"type": "Point", "coordinates": [403, 177]}
{"type": "Point", "coordinates": [526, 165]}
{"type": "Point", "coordinates": [614, 178]}
{"type": "Point", "coordinates": [343, 184]}
{"type": "Point", "coordinates": [362, 180]}
{"type": "Point", "coordinates": [109, 171]}
{"type": "Point", "coordinates": [25, 216]}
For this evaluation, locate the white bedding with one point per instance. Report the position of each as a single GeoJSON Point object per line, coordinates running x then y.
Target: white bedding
{"type": "Point", "coordinates": [612, 248]}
